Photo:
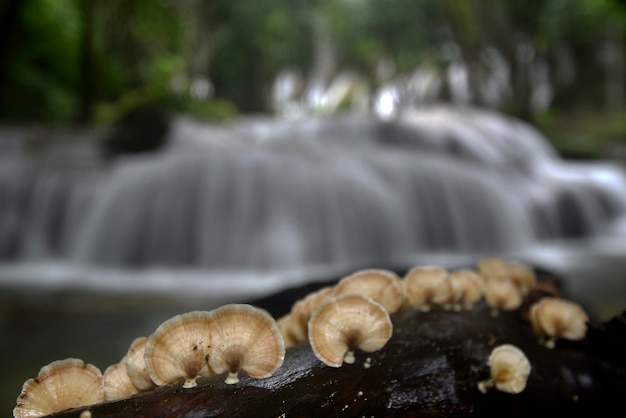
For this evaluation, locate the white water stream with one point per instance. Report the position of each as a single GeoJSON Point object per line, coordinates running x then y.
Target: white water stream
{"type": "Point", "coordinates": [257, 205]}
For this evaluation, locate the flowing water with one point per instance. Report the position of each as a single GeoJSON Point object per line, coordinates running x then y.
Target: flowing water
{"type": "Point", "coordinates": [93, 253]}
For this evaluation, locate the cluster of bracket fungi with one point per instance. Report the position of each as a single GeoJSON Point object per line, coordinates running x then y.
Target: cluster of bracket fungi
{"type": "Point", "coordinates": [354, 314]}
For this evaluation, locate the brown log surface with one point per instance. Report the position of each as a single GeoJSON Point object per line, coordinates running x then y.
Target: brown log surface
{"type": "Point", "coordinates": [429, 368]}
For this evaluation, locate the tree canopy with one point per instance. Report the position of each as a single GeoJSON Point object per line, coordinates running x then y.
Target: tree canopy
{"type": "Point", "coordinates": [90, 60]}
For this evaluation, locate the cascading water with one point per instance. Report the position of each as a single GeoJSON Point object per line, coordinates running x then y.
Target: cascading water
{"type": "Point", "coordinates": [262, 209]}
{"type": "Point", "coordinates": [266, 195]}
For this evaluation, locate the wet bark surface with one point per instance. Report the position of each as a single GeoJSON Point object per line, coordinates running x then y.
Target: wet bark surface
{"type": "Point", "coordinates": [429, 368]}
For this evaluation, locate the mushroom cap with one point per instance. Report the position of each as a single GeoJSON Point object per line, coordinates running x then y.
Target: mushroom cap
{"type": "Point", "coordinates": [467, 287]}
{"type": "Point", "coordinates": [427, 286]}
{"type": "Point", "coordinates": [522, 275]}
{"type": "Point", "coordinates": [316, 298]}
{"type": "Point", "coordinates": [284, 326]}
{"type": "Point", "coordinates": [493, 268]}
{"type": "Point", "coordinates": [177, 351]}
{"type": "Point", "coordinates": [346, 322]}
{"type": "Point", "coordinates": [117, 383]}
{"type": "Point", "coordinates": [502, 295]}
{"type": "Point", "coordinates": [295, 326]}
{"type": "Point", "coordinates": [136, 365]}
{"type": "Point", "coordinates": [555, 318]}
{"type": "Point", "coordinates": [61, 385]}
{"type": "Point", "coordinates": [245, 338]}
{"type": "Point", "coordinates": [384, 286]}
{"type": "Point", "coordinates": [509, 368]}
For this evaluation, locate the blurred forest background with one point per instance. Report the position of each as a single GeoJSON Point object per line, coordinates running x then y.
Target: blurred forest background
{"type": "Point", "coordinates": [559, 64]}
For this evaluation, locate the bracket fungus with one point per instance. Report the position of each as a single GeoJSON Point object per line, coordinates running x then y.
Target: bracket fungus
{"type": "Point", "coordinates": [523, 276]}
{"type": "Point", "coordinates": [384, 286]}
{"type": "Point", "coordinates": [553, 318]}
{"type": "Point", "coordinates": [498, 269]}
{"type": "Point", "coordinates": [467, 289]}
{"type": "Point", "coordinates": [117, 383]}
{"type": "Point", "coordinates": [509, 369]}
{"type": "Point", "coordinates": [245, 338]}
{"type": "Point", "coordinates": [284, 325]}
{"type": "Point", "coordinates": [346, 322]}
{"type": "Point", "coordinates": [136, 365]}
{"type": "Point", "coordinates": [177, 351]}
{"type": "Point", "coordinates": [502, 295]}
{"type": "Point", "coordinates": [61, 385]}
{"type": "Point", "coordinates": [294, 325]}
{"type": "Point", "coordinates": [493, 268]}
{"type": "Point", "coordinates": [427, 287]}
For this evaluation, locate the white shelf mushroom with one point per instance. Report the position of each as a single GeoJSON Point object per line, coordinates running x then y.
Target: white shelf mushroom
{"type": "Point", "coordinates": [245, 338]}
{"type": "Point", "coordinates": [493, 268]}
{"type": "Point", "coordinates": [502, 295]}
{"type": "Point", "coordinates": [467, 289]}
{"type": "Point", "coordinates": [136, 365]}
{"type": "Point", "coordinates": [497, 269]}
{"type": "Point", "coordinates": [294, 326]}
{"type": "Point", "coordinates": [345, 323]}
{"type": "Point", "coordinates": [177, 351]}
{"type": "Point", "coordinates": [553, 318]}
{"type": "Point", "coordinates": [117, 383]}
{"type": "Point", "coordinates": [426, 287]}
{"type": "Point", "coordinates": [61, 385]}
{"type": "Point", "coordinates": [523, 276]}
{"type": "Point", "coordinates": [509, 369]}
{"type": "Point", "coordinates": [384, 286]}
{"type": "Point", "coordinates": [284, 326]}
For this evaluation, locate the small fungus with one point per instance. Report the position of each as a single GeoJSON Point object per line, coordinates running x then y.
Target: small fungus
{"type": "Point", "coordinates": [493, 268]}
{"type": "Point", "coordinates": [136, 365]}
{"type": "Point", "coordinates": [294, 326]}
{"type": "Point", "coordinates": [61, 385]}
{"type": "Point", "coordinates": [502, 295]}
{"type": "Point", "coordinates": [284, 326]}
{"type": "Point", "coordinates": [384, 286]}
{"type": "Point", "coordinates": [245, 338]}
{"type": "Point", "coordinates": [509, 369]}
{"type": "Point", "coordinates": [346, 322]}
{"type": "Point", "coordinates": [177, 351]}
{"type": "Point", "coordinates": [427, 287]}
{"type": "Point", "coordinates": [553, 318]}
{"type": "Point", "coordinates": [117, 383]}
{"type": "Point", "coordinates": [523, 276]}
{"type": "Point", "coordinates": [467, 289]}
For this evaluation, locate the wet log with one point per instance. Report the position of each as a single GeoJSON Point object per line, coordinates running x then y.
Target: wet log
{"type": "Point", "coordinates": [429, 368]}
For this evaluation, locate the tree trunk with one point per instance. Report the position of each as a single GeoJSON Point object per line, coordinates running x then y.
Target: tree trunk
{"type": "Point", "coordinates": [86, 71]}
{"type": "Point", "coordinates": [9, 25]}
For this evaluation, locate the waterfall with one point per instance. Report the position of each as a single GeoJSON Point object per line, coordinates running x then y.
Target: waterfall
{"type": "Point", "coordinates": [272, 194]}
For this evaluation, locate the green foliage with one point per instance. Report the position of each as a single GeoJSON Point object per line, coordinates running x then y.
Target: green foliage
{"type": "Point", "coordinates": [262, 38]}
{"type": "Point", "coordinates": [42, 71]}
{"type": "Point", "coordinates": [151, 50]}
{"type": "Point", "coordinates": [367, 31]}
